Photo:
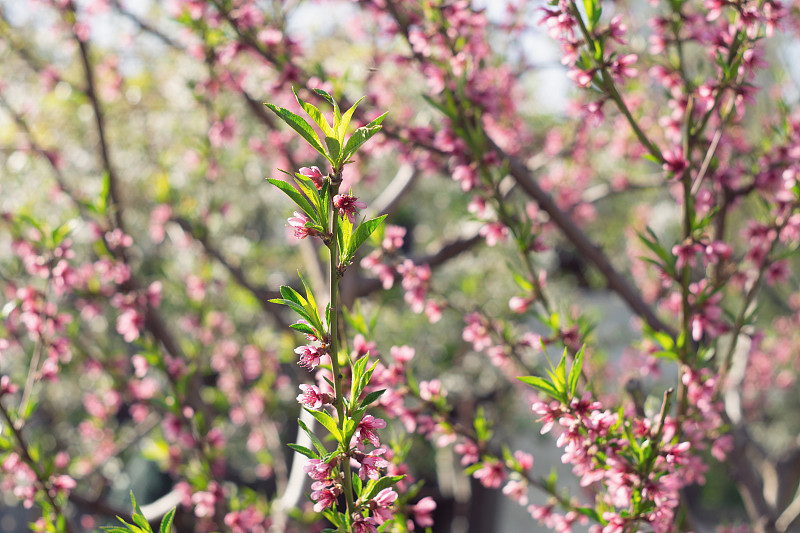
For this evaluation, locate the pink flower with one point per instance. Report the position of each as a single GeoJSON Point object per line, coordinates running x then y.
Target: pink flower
{"type": "Point", "coordinates": [622, 67]}
{"type": "Point", "coordinates": [548, 414]}
{"type": "Point", "coordinates": [6, 387]}
{"type": "Point", "coordinates": [324, 495]}
{"type": "Point", "coordinates": [469, 452]}
{"type": "Point", "coordinates": [517, 490]}
{"type": "Point", "coordinates": [674, 162]}
{"type": "Point", "coordinates": [348, 205]}
{"type": "Point", "coordinates": [433, 310]}
{"type": "Point", "coordinates": [777, 272]}
{"type": "Point", "coordinates": [314, 174]}
{"type": "Point", "coordinates": [298, 224]}
{"type": "Point", "coordinates": [158, 217]}
{"type": "Point", "coordinates": [402, 354]}
{"type": "Point", "coordinates": [129, 323]}
{"type": "Point", "coordinates": [381, 503]}
{"type": "Point", "coordinates": [248, 520]}
{"type": "Point", "coordinates": [476, 332]}
{"type": "Point", "coordinates": [309, 356]}
{"type": "Point", "coordinates": [466, 176]}
{"type": "Point", "coordinates": [429, 390]}
{"type": "Point", "coordinates": [61, 484]}
{"type": "Point", "coordinates": [222, 132]}
{"type": "Point", "coordinates": [370, 463]}
{"type": "Point", "coordinates": [366, 427]}
{"type": "Point", "coordinates": [422, 511]}
{"type": "Point", "coordinates": [415, 282]}
{"type": "Point", "coordinates": [319, 470]}
{"type": "Point", "coordinates": [685, 254]}
{"type": "Point", "coordinates": [311, 397]}
{"type": "Point", "coordinates": [364, 525]}
{"type": "Point", "coordinates": [524, 460]}
{"type": "Point", "coordinates": [204, 502]}
{"type": "Point", "coordinates": [494, 232]}
{"type": "Point", "coordinates": [617, 29]}
{"type": "Point", "coordinates": [393, 238]}
{"type": "Point", "coordinates": [491, 474]}
{"type": "Point", "coordinates": [518, 304]}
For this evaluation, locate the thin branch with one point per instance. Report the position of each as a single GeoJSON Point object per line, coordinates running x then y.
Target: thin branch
{"type": "Point", "coordinates": [146, 26]}
{"type": "Point", "coordinates": [91, 93]}
{"type": "Point", "coordinates": [578, 238]}
{"type": "Point", "coordinates": [445, 253]}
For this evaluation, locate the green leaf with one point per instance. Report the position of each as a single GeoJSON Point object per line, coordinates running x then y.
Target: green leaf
{"type": "Point", "coordinates": [560, 380]}
{"type": "Point", "coordinates": [296, 197]}
{"type": "Point", "coordinates": [326, 201]}
{"type": "Point", "coordinates": [372, 396]}
{"type": "Point", "coordinates": [317, 443]}
{"type": "Point", "coordinates": [575, 372]}
{"type": "Point", "coordinates": [337, 115]}
{"type": "Point", "coordinates": [141, 521]}
{"type": "Point", "coordinates": [375, 486]}
{"type": "Point", "coordinates": [103, 200]}
{"type": "Point", "coordinates": [362, 135]}
{"type": "Point", "coordinates": [166, 522]}
{"type": "Point", "coordinates": [60, 233]}
{"type": "Point", "coordinates": [473, 468]}
{"type": "Point", "coordinates": [589, 6]}
{"type": "Point", "coordinates": [340, 232]}
{"type": "Point", "coordinates": [300, 310]}
{"type": "Point", "coordinates": [138, 516]}
{"type": "Point", "coordinates": [482, 431]}
{"type": "Point", "coordinates": [115, 529]}
{"type": "Point", "coordinates": [312, 303]}
{"type": "Point", "coordinates": [341, 131]}
{"type": "Point", "coordinates": [591, 513]}
{"type": "Point", "coordinates": [334, 148]}
{"type": "Point", "coordinates": [290, 294]}
{"type": "Point", "coordinates": [441, 107]}
{"type": "Point", "coordinates": [302, 449]}
{"type": "Point", "coordinates": [346, 229]}
{"type": "Point", "coordinates": [541, 385]}
{"type": "Point", "coordinates": [316, 115]}
{"type": "Point", "coordinates": [362, 233]}
{"type": "Point", "coordinates": [131, 527]}
{"type": "Point", "coordinates": [358, 371]}
{"type": "Point", "coordinates": [305, 328]}
{"type": "Point", "coordinates": [365, 379]}
{"type": "Point", "coordinates": [311, 192]}
{"type": "Point", "coordinates": [298, 124]}
{"type": "Point", "coordinates": [523, 283]}
{"type": "Point", "coordinates": [328, 422]}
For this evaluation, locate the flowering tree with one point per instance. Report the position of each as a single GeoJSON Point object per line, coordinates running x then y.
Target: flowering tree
{"type": "Point", "coordinates": [154, 326]}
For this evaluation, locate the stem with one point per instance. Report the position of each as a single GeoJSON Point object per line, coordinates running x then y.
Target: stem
{"type": "Point", "coordinates": [31, 379]}
{"type": "Point", "coordinates": [613, 93]}
{"type": "Point", "coordinates": [333, 337]}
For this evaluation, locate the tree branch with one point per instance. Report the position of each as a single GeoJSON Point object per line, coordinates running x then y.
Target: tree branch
{"type": "Point", "coordinates": [591, 252]}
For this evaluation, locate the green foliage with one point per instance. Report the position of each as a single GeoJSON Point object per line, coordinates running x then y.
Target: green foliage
{"type": "Point", "coordinates": [561, 386]}
{"type": "Point", "coordinates": [337, 148]}
{"type": "Point", "coordinates": [140, 524]}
